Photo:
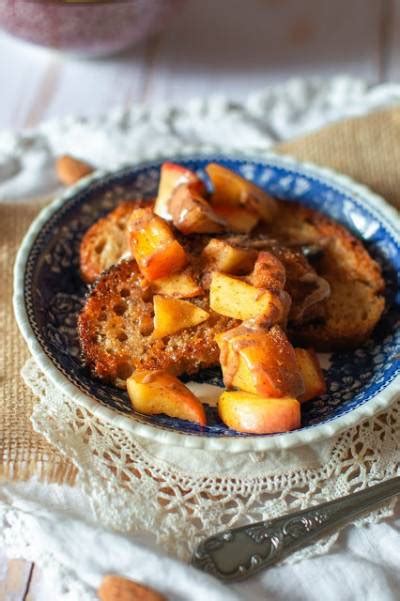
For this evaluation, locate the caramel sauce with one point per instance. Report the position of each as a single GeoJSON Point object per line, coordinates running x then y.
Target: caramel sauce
{"type": "Point", "coordinates": [243, 337]}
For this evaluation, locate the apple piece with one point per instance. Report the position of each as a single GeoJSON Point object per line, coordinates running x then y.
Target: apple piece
{"type": "Point", "coordinates": [254, 414]}
{"type": "Point", "coordinates": [153, 392]}
{"type": "Point", "coordinates": [221, 256]}
{"type": "Point", "coordinates": [239, 219]}
{"type": "Point", "coordinates": [172, 176]}
{"type": "Point", "coordinates": [178, 285]}
{"type": "Point", "coordinates": [260, 361]}
{"type": "Point", "coordinates": [231, 188]}
{"type": "Point", "coordinates": [169, 260]}
{"type": "Point", "coordinates": [192, 214]}
{"type": "Point", "coordinates": [172, 315]}
{"type": "Point", "coordinates": [140, 218]}
{"type": "Point", "coordinates": [235, 298]}
{"type": "Point", "coordinates": [268, 272]}
{"type": "Point", "coordinates": [153, 245]}
{"type": "Point", "coordinates": [314, 382]}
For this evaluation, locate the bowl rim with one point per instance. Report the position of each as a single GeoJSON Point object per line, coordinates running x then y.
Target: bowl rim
{"type": "Point", "coordinates": [288, 440]}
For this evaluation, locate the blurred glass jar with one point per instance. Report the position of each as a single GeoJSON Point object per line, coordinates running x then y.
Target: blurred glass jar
{"type": "Point", "coordinates": [86, 28]}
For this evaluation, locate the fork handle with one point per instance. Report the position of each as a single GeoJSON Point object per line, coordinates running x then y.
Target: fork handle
{"type": "Point", "coordinates": [238, 553]}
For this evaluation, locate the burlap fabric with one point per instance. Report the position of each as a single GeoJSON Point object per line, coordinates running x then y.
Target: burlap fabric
{"type": "Point", "coordinates": [365, 148]}
{"type": "Point", "coordinates": [23, 452]}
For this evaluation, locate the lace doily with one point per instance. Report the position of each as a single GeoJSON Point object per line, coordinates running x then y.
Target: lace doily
{"type": "Point", "coordinates": [210, 125]}
{"type": "Point", "coordinates": [134, 488]}
{"type": "Point", "coordinates": [134, 485]}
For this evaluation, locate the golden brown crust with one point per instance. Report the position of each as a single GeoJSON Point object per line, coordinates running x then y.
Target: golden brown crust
{"type": "Point", "coordinates": [356, 301]}
{"type": "Point", "coordinates": [106, 241]}
{"type": "Point", "coordinates": [114, 331]}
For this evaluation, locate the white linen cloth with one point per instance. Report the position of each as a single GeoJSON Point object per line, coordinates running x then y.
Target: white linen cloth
{"type": "Point", "coordinates": [76, 553]}
{"type": "Point", "coordinates": [362, 566]}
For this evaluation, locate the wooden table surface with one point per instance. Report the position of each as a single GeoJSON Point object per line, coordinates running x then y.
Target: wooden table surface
{"type": "Point", "coordinates": [228, 47]}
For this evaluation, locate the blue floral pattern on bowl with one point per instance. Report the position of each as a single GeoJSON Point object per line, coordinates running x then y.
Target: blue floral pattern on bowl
{"type": "Point", "coordinates": [54, 292]}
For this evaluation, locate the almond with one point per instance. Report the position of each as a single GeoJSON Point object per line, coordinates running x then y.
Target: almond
{"type": "Point", "coordinates": [70, 170]}
{"type": "Point", "coordinates": [115, 588]}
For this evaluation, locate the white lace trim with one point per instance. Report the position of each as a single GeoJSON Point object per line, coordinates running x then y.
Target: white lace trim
{"type": "Point", "coordinates": [133, 490]}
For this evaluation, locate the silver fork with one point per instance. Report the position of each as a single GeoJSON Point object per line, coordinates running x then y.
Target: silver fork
{"type": "Point", "coordinates": [238, 553]}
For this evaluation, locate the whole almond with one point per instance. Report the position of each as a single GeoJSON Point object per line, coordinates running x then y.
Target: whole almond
{"type": "Point", "coordinates": [70, 170]}
{"type": "Point", "coordinates": [115, 588]}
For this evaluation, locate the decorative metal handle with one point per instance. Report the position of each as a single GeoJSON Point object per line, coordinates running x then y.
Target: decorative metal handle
{"type": "Point", "coordinates": [239, 553]}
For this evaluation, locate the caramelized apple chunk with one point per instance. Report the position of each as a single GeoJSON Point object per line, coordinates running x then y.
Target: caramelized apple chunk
{"type": "Point", "coordinates": [260, 361]}
{"type": "Point", "coordinates": [314, 382]}
{"type": "Point", "coordinates": [255, 414]}
{"type": "Point", "coordinates": [239, 220]}
{"type": "Point", "coordinates": [178, 285]}
{"type": "Point", "coordinates": [156, 251]}
{"type": "Point", "coordinates": [219, 255]}
{"type": "Point", "coordinates": [235, 298]}
{"type": "Point", "coordinates": [192, 214]}
{"type": "Point", "coordinates": [268, 272]}
{"type": "Point", "coordinates": [307, 289]}
{"type": "Point", "coordinates": [172, 315]}
{"type": "Point", "coordinates": [232, 189]}
{"type": "Point", "coordinates": [153, 392]}
{"type": "Point", "coordinates": [172, 176]}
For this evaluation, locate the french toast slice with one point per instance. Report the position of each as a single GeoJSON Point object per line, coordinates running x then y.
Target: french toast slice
{"type": "Point", "coordinates": [343, 320]}
{"type": "Point", "coordinates": [115, 330]}
{"type": "Point", "coordinates": [356, 301]}
{"type": "Point", "coordinates": [106, 241]}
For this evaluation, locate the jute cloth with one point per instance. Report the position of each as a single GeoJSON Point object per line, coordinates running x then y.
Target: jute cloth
{"type": "Point", "coordinates": [365, 148]}
{"type": "Point", "coordinates": [23, 452]}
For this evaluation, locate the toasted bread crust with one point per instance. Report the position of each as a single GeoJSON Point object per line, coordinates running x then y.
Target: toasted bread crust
{"type": "Point", "coordinates": [106, 241]}
{"type": "Point", "coordinates": [356, 302]}
{"type": "Point", "coordinates": [115, 334]}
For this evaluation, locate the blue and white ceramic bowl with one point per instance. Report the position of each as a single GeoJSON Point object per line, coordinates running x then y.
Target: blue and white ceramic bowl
{"type": "Point", "coordinates": [49, 294]}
